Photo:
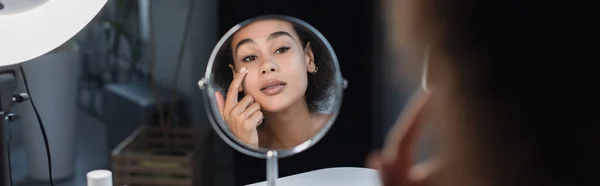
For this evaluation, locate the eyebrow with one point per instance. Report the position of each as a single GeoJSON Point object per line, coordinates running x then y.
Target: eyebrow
{"type": "Point", "coordinates": [271, 37]}
{"type": "Point", "coordinates": [243, 41]}
{"type": "Point", "coordinates": [279, 34]}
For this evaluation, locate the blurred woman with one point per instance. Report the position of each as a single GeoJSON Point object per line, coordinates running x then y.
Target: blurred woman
{"type": "Point", "coordinates": [509, 85]}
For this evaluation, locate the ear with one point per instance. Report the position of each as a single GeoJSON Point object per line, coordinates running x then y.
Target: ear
{"type": "Point", "coordinates": [234, 72]}
{"type": "Point", "coordinates": [396, 161]}
{"type": "Point", "coordinates": [310, 58]}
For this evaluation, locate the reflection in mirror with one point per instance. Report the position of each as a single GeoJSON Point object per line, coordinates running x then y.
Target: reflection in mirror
{"type": "Point", "coordinates": [272, 88]}
{"type": "Point", "coordinates": [275, 84]}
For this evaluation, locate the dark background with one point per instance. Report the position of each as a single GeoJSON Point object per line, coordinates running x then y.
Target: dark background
{"type": "Point", "coordinates": [348, 26]}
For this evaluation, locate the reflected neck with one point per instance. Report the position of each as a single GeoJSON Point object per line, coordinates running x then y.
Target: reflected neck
{"type": "Point", "coordinates": [291, 126]}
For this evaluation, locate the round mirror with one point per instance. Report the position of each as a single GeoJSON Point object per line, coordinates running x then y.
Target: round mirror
{"type": "Point", "coordinates": [272, 86]}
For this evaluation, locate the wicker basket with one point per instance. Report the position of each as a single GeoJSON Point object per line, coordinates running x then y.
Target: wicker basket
{"type": "Point", "coordinates": [159, 157]}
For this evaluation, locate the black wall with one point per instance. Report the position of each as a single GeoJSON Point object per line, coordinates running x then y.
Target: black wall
{"type": "Point", "coordinates": [348, 27]}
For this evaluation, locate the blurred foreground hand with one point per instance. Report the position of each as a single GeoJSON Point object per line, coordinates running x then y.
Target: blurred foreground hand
{"type": "Point", "coordinates": [395, 161]}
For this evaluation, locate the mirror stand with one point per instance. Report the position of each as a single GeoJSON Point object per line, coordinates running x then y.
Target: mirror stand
{"type": "Point", "coordinates": [272, 168]}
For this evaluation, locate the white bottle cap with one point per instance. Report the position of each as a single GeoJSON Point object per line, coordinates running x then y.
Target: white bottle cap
{"type": "Point", "coordinates": [99, 178]}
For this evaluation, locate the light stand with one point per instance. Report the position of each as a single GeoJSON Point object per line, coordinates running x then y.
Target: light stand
{"type": "Point", "coordinates": [21, 40]}
{"type": "Point", "coordinates": [8, 83]}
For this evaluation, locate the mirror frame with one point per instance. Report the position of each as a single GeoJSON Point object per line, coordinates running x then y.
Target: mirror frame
{"type": "Point", "coordinates": [217, 122]}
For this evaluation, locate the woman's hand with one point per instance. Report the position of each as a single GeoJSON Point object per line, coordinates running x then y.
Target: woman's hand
{"type": "Point", "coordinates": [242, 117]}
{"type": "Point", "coordinates": [395, 161]}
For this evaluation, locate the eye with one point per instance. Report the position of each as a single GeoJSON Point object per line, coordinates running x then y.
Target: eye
{"type": "Point", "coordinates": [249, 58]}
{"type": "Point", "coordinates": [282, 50]}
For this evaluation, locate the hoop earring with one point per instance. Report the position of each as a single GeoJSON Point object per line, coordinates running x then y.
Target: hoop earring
{"type": "Point", "coordinates": [315, 71]}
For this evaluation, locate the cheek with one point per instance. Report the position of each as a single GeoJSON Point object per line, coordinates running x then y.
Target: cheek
{"type": "Point", "coordinates": [292, 64]}
{"type": "Point", "coordinates": [250, 84]}
{"type": "Point", "coordinates": [295, 70]}
{"type": "Point", "coordinates": [393, 17]}
{"type": "Point", "coordinates": [401, 16]}
{"type": "Point", "coordinates": [300, 80]}
{"type": "Point", "coordinates": [403, 50]}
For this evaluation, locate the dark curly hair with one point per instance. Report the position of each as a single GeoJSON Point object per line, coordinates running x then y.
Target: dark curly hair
{"type": "Point", "coordinates": [320, 90]}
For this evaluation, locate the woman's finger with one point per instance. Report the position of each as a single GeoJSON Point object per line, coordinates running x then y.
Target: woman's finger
{"type": "Point", "coordinates": [374, 160]}
{"type": "Point", "coordinates": [242, 105]}
{"type": "Point", "coordinates": [426, 170]}
{"type": "Point", "coordinates": [254, 107]}
{"type": "Point", "coordinates": [403, 135]}
{"type": "Point", "coordinates": [396, 160]}
{"type": "Point", "coordinates": [220, 103]}
{"type": "Point", "coordinates": [254, 120]}
{"type": "Point", "coordinates": [232, 92]}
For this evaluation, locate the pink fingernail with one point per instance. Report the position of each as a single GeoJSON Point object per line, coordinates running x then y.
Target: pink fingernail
{"type": "Point", "coordinates": [243, 70]}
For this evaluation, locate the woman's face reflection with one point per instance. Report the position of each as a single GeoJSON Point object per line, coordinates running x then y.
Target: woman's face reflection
{"type": "Point", "coordinates": [277, 63]}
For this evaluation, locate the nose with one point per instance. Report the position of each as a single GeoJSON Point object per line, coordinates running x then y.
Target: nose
{"type": "Point", "coordinates": [268, 67]}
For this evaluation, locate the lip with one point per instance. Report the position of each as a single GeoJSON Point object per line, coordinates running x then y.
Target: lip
{"type": "Point", "coordinates": [273, 87]}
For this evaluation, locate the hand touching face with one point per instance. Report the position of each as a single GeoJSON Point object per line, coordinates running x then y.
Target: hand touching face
{"type": "Point", "coordinates": [242, 117]}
